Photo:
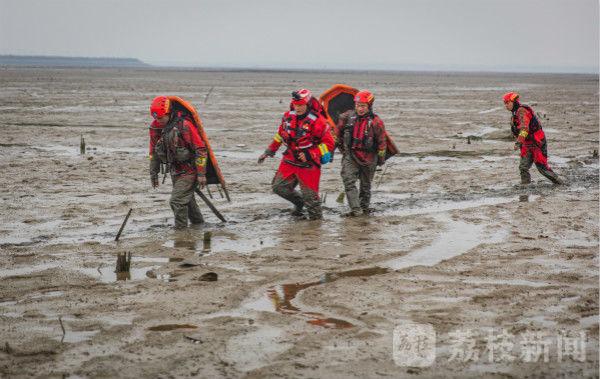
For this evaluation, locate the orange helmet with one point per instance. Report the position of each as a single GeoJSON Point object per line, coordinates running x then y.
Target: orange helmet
{"type": "Point", "coordinates": [364, 97]}
{"type": "Point", "coordinates": [160, 106]}
{"type": "Point", "coordinates": [302, 96]}
{"type": "Point", "coordinates": [511, 96]}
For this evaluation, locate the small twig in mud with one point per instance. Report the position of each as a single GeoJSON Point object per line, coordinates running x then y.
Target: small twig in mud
{"type": "Point", "coordinates": [63, 329]}
{"type": "Point", "coordinates": [123, 224]}
{"type": "Point", "coordinates": [324, 198]}
{"type": "Point", "coordinates": [7, 348]}
{"type": "Point", "coordinates": [194, 340]}
{"type": "Point", "coordinates": [98, 269]}
{"type": "Point", "coordinates": [382, 175]}
{"type": "Point", "coordinates": [82, 145]}
{"type": "Point", "coordinates": [208, 94]}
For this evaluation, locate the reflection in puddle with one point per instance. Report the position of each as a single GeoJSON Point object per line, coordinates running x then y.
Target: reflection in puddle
{"type": "Point", "coordinates": [108, 275]}
{"type": "Point", "coordinates": [206, 242]}
{"type": "Point", "coordinates": [103, 273]}
{"type": "Point", "coordinates": [181, 244]}
{"type": "Point", "coordinates": [210, 243]}
{"type": "Point", "coordinates": [459, 237]}
{"type": "Point", "coordinates": [282, 296]}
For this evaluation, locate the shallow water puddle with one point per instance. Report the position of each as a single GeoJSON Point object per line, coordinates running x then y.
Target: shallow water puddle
{"type": "Point", "coordinates": [108, 274]}
{"type": "Point", "coordinates": [439, 207]}
{"type": "Point", "coordinates": [74, 337]}
{"type": "Point", "coordinates": [255, 349]}
{"type": "Point", "coordinates": [459, 238]}
{"type": "Point", "coordinates": [221, 243]}
{"type": "Point", "coordinates": [105, 272]}
{"type": "Point", "coordinates": [27, 270]}
{"type": "Point", "coordinates": [159, 259]}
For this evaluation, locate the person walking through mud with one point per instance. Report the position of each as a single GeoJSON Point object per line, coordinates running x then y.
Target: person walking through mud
{"type": "Point", "coordinates": [309, 142]}
{"type": "Point", "coordinates": [361, 139]}
{"type": "Point", "coordinates": [530, 139]}
{"type": "Point", "coordinates": [175, 142]}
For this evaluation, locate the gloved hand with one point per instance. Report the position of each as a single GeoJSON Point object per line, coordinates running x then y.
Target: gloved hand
{"type": "Point", "coordinates": [262, 158]}
{"type": "Point", "coordinates": [380, 160]}
{"type": "Point", "coordinates": [154, 180]}
{"type": "Point", "coordinates": [517, 146]}
{"type": "Point", "coordinates": [326, 158]}
{"type": "Point", "coordinates": [201, 181]}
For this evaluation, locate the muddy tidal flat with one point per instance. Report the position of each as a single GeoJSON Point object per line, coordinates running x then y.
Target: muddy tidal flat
{"type": "Point", "coordinates": [459, 272]}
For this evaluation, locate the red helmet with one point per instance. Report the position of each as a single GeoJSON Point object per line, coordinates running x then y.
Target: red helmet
{"type": "Point", "coordinates": [364, 97]}
{"type": "Point", "coordinates": [511, 96]}
{"type": "Point", "coordinates": [160, 106]}
{"type": "Point", "coordinates": [302, 96]}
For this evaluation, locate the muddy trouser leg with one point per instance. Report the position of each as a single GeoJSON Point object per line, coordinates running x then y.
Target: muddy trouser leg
{"type": "Point", "coordinates": [350, 174]}
{"type": "Point", "coordinates": [312, 202]}
{"type": "Point", "coordinates": [194, 213]}
{"type": "Point", "coordinates": [540, 158]}
{"type": "Point", "coordinates": [524, 166]}
{"type": "Point", "coordinates": [181, 195]}
{"type": "Point", "coordinates": [284, 187]}
{"type": "Point", "coordinates": [366, 178]}
{"type": "Point", "coordinates": [548, 173]}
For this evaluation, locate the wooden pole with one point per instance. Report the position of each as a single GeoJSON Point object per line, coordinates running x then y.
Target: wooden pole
{"type": "Point", "coordinates": [123, 224]}
{"type": "Point", "coordinates": [210, 205]}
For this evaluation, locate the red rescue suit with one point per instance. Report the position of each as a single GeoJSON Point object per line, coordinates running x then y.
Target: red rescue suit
{"type": "Point", "coordinates": [309, 134]}
{"type": "Point", "coordinates": [527, 128]}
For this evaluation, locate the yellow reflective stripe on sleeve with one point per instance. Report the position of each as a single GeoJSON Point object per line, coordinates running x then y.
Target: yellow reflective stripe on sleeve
{"type": "Point", "coordinates": [201, 161]}
{"type": "Point", "coordinates": [523, 133]}
{"type": "Point", "coordinates": [381, 153]}
{"type": "Point", "coordinates": [323, 149]}
{"type": "Point", "coordinates": [277, 138]}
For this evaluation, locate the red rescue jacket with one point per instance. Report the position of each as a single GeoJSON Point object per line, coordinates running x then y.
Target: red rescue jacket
{"type": "Point", "coordinates": [308, 133]}
{"type": "Point", "coordinates": [526, 126]}
{"type": "Point", "coordinates": [362, 136]}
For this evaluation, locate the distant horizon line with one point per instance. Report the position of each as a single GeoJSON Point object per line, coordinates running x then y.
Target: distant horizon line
{"type": "Point", "coordinates": [307, 68]}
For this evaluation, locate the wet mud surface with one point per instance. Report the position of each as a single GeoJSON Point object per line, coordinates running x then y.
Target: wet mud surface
{"type": "Point", "coordinates": [453, 241]}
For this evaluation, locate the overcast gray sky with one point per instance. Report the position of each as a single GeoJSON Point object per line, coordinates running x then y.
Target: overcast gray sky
{"type": "Point", "coordinates": [509, 35]}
